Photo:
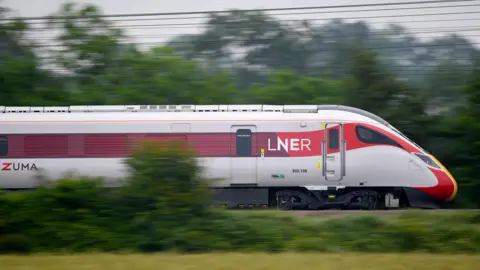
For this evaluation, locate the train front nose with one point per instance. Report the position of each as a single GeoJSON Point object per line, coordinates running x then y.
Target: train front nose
{"type": "Point", "coordinates": [447, 185]}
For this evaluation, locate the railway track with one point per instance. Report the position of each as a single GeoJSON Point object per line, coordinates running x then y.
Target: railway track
{"type": "Point", "coordinates": [379, 212]}
{"type": "Point", "coordinates": [338, 212]}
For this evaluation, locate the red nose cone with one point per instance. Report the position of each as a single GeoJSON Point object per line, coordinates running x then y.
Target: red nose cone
{"type": "Point", "coordinates": [445, 190]}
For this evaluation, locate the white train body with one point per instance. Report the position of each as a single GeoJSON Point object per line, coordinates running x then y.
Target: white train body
{"type": "Point", "coordinates": [266, 148]}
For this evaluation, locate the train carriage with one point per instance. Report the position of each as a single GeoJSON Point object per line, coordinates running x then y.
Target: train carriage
{"type": "Point", "coordinates": [289, 156]}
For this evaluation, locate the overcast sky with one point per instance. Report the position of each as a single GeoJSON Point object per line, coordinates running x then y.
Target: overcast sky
{"type": "Point", "coordinates": [467, 24]}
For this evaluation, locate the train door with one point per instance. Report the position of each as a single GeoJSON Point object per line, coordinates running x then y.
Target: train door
{"type": "Point", "coordinates": [243, 158]}
{"type": "Point", "coordinates": [333, 152]}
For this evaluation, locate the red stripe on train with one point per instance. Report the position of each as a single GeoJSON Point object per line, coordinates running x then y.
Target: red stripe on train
{"type": "Point", "coordinates": [280, 144]}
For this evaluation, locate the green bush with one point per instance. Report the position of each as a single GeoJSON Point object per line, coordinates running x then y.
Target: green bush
{"type": "Point", "coordinates": [165, 192]}
{"type": "Point", "coordinates": [163, 205]}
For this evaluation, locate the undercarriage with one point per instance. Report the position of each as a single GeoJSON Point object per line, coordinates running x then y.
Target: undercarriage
{"type": "Point", "coordinates": [296, 198]}
{"type": "Point", "coordinates": [322, 200]}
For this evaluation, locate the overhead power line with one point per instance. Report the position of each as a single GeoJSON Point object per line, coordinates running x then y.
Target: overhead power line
{"type": "Point", "coordinates": [241, 10]}
{"type": "Point", "coordinates": [278, 14]}
{"type": "Point", "coordinates": [306, 13]}
{"type": "Point", "coordinates": [290, 13]}
{"type": "Point", "coordinates": [160, 26]}
{"type": "Point", "coordinates": [293, 20]}
{"type": "Point", "coordinates": [462, 49]}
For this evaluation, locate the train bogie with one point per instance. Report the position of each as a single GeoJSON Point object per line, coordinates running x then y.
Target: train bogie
{"type": "Point", "coordinates": [308, 157]}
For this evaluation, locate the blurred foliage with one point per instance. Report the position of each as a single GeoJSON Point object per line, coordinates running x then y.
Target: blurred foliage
{"type": "Point", "coordinates": [429, 90]}
{"type": "Point", "coordinates": [164, 205]}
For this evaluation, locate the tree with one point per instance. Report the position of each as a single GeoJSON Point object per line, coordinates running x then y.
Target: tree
{"type": "Point", "coordinates": [157, 76]}
{"type": "Point", "coordinates": [373, 88]}
{"type": "Point", "coordinates": [467, 132]}
{"type": "Point", "coordinates": [24, 82]}
{"type": "Point", "coordinates": [287, 87]}
{"type": "Point", "coordinates": [89, 42]}
{"type": "Point", "coordinates": [370, 86]}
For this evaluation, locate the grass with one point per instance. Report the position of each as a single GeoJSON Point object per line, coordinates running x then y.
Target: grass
{"type": "Point", "coordinates": [239, 261]}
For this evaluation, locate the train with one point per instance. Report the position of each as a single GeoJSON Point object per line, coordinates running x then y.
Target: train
{"type": "Point", "coordinates": [308, 157]}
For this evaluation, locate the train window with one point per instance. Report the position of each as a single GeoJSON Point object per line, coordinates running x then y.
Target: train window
{"type": "Point", "coordinates": [428, 160]}
{"type": "Point", "coordinates": [244, 142]}
{"type": "Point", "coordinates": [370, 136]}
{"type": "Point", "coordinates": [3, 146]}
{"type": "Point", "coordinates": [333, 139]}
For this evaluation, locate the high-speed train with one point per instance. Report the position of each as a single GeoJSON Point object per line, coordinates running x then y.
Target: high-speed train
{"type": "Point", "coordinates": [286, 156]}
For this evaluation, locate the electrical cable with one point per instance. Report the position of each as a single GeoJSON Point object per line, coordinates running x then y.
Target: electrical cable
{"type": "Point", "coordinates": [418, 68]}
{"type": "Point", "coordinates": [282, 14]}
{"type": "Point", "coordinates": [242, 10]}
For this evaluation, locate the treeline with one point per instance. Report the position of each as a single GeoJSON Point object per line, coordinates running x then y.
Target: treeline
{"type": "Point", "coordinates": [339, 63]}
{"type": "Point", "coordinates": [164, 206]}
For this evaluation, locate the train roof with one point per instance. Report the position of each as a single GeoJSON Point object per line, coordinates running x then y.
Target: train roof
{"type": "Point", "coordinates": [225, 112]}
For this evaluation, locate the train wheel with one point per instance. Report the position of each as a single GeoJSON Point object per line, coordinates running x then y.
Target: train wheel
{"type": "Point", "coordinates": [291, 199]}
{"type": "Point", "coordinates": [285, 202]}
{"type": "Point", "coordinates": [365, 200]}
{"type": "Point", "coordinates": [370, 202]}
